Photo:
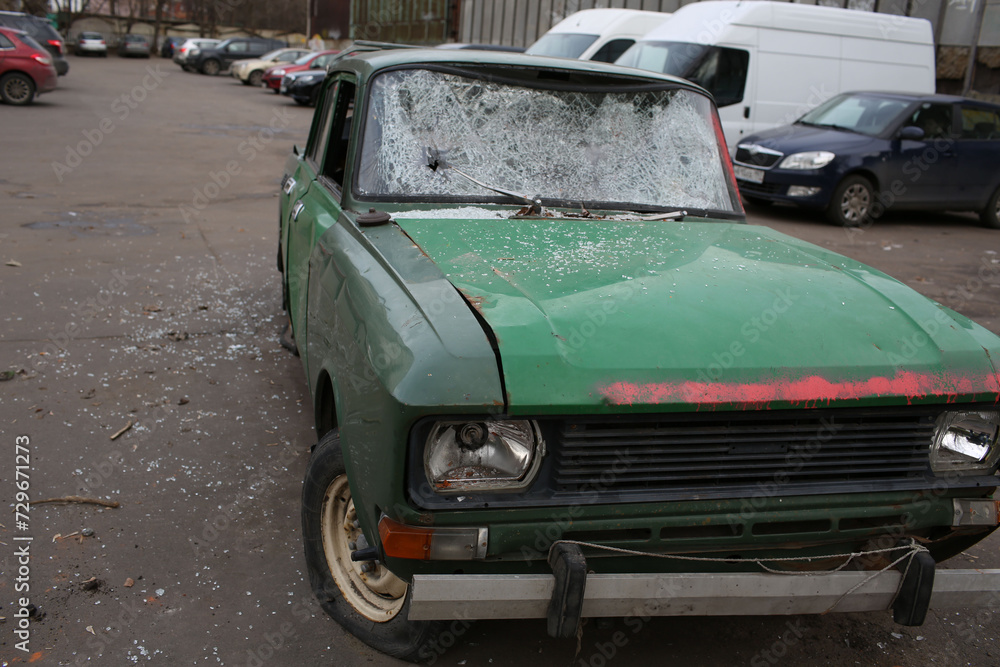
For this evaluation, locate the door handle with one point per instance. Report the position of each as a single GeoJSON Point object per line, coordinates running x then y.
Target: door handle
{"type": "Point", "coordinates": [289, 184]}
{"type": "Point", "coordinates": [746, 112]}
{"type": "Point", "coordinates": [297, 209]}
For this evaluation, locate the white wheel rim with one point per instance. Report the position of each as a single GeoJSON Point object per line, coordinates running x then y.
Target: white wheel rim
{"type": "Point", "coordinates": [377, 595]}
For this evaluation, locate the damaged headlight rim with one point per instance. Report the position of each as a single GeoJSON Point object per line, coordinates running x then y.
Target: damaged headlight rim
{"type": "Point", "coordinates": [966, 442]}
{"type": "Point", "coordinates": [478, 455]}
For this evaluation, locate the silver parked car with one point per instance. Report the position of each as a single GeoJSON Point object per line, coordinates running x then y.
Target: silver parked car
{"type": "Point", "coordinates": [91, 43]}
{"type": "Point", "coordinates": [134, 45]}
{"type": "Point", "coordinates": [190, 49]}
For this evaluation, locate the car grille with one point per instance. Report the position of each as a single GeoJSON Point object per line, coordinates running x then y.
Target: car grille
{"type": "Point", "coordinates": [756, 156]}
{"type": "Point", "coordinates": [761, 188]}
{"type": "Point", "coordinates": [737, 450]}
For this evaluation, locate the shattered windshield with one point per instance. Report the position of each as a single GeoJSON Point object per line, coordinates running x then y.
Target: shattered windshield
{"type": "Point", "coordinates": [648, 146]}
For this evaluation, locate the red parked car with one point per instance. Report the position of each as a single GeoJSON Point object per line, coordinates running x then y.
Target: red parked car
{"type": "Point", "coordinates": [315, 60]}
{"type": "Point", "coordinates": [26, 68]}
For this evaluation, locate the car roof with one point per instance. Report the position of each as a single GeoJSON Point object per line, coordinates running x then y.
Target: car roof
{"type": "Point", "coordinates": [924, 97]}
{"type": "Point", "coordinates": [36, 23]}
{"type": "Point", "coordinates": [368, 62]}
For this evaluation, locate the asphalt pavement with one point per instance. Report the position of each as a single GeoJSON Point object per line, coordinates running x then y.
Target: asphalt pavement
{"type": "Point", "coordinates": [139, 344]}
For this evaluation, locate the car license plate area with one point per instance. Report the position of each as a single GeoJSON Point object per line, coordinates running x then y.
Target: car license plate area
{"type": "Point", "coordinates": [748, 174]}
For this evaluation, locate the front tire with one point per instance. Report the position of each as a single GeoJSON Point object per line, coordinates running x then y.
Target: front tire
{"type": "Point", "coordinates": [990, 215]}
{"type": "Point", "coordinates": [17, 89]}
{"type": "Point", "coordinates": [210, 67]}
{"type": "Point", "coordinates": [373, 606]}
{"type": "Point", "coordinates": [255, 78]}
{"type": "Point", "coordinates": [852, 202]}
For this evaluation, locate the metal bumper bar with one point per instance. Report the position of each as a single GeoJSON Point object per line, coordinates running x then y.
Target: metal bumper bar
{"type": "Point", "coordinates": [439, 597]}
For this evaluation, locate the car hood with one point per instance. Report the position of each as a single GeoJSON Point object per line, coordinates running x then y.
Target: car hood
{"type": "Point", "coordinates": [598, 314]}
{"type": "Point", "coordinates": [789, 139]}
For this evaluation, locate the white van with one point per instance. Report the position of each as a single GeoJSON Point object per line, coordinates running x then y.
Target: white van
{"type": "Point", "coordinates": [597, 34]}
{"type": "Point", "coordinates": [767, 63]}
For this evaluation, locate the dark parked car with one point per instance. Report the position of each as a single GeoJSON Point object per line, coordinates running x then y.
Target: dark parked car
{"type": "Point", "coordinates": [555, 374]}
{"type": "Point", "coordinates": [303, 86]}
{"type": "Point", "coordinates": [42, 32]}
{"type": "Point", "coordinates": [134, 45]}
{"type": "Point", "coordinates": [862, 153]}
{"type": "Point", "coordinates": [169, 45]}
{"type": "Point", "coordinates": [214, 60]}
{"type": "Point", "coordinates": [25, 68]}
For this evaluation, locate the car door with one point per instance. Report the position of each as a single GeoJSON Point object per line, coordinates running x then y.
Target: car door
{"type": "Point", "coordinates": [978, 148]}
{"type": "Point", "coordinates": [315, 205]}
{"type": "Point", "coordinates": [921, 172]}
{"type": "Point", "coordinates": [235, 50]}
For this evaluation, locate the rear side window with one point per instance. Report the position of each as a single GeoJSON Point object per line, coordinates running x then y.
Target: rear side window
{"type": "Point", "coordinates": [978, 123]}
{"type": "Point", "coordinates": [613, 50]}
{"type": "Point", "coordinates": [5, 43]}
{"type": "Point", "coordinates": [29, 41]}
{"type": "Point", "coordinates": [41, 30]}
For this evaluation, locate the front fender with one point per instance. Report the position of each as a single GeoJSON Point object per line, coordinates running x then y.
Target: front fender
{"type": "Point", "coordinates": [398, 343]}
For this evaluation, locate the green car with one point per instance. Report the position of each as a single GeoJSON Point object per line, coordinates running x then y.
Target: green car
{"type": "Point", "coordinates": [556, 375]}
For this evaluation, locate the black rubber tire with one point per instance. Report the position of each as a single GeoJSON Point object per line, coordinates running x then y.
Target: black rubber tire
{"type": "Point", "coordinates": [255, 78]}
{"type": "Point", "coordinates": [398, 637]}
{"type": "Point", "coordinates": [990, 216]}
{"type": "Point", "coordinates": [211, 67]}
{"type": "Point", "coordinates": [852, 202]}
{"type": "Point", "coordinates": [17, 89]}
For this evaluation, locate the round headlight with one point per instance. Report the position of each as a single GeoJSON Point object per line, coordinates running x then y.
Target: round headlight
{"type": "Point", "coordinates": [460, 457]}
{"type": "Point", "coordinates": [966, 442]}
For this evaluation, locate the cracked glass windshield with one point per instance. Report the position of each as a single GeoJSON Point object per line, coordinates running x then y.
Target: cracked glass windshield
{"type": "Point", "coordinates": [617, 146]}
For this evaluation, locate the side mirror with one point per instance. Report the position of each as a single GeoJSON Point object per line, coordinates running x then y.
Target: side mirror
{"type": "Point", "coordinates": [911, 133]}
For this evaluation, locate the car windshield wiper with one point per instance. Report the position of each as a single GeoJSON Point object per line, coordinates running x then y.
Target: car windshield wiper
{"type": "Point", "coordinates": [436, 161]}
{"type": "Point", "coordinates": [834, 126]}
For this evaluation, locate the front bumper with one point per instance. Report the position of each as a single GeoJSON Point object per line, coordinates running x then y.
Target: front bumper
{"type": "Point", "coordinates": [776, 183]}
{"type": "Point", "coordinates": [483, 596]}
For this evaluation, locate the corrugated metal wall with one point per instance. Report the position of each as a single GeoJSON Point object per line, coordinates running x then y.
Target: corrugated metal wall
{"type": "Point", "coordinates": [521, 22]}
{"type": "Point", "coordinates": [406, 22]}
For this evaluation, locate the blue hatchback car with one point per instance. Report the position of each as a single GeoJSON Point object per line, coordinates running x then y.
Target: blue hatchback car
{"type": "Point", "coordinates": [862, 153]}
